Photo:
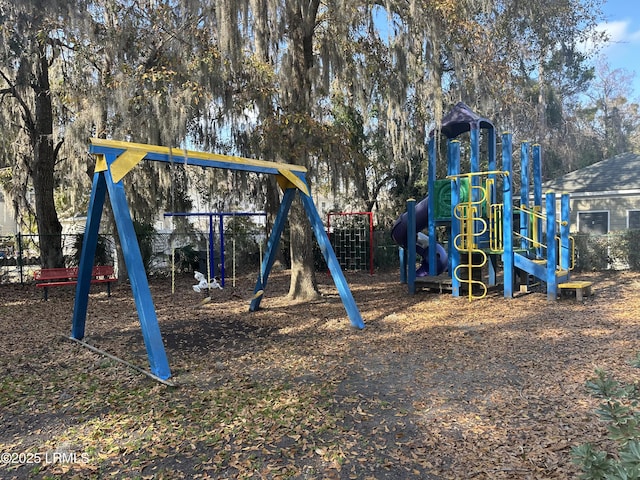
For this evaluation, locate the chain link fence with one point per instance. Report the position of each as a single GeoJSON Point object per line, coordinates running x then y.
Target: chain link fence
{"type": "Point", "coordinates": [241, 249]}
{"type": "Point", "coordinates": [20, 256]}
{"type": "Point", "coordinates": [236, 251]}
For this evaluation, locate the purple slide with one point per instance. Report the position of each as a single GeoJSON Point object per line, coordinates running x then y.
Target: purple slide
{"type": "Point", "coordinates": [399, 235]}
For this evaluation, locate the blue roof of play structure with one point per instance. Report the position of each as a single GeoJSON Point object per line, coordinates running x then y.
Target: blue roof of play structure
{"type": "Point", "coordinates": [462, 119]}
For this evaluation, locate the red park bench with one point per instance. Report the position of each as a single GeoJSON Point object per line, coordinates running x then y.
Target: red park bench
{"type": "Point", "coordinates": [58, 277]}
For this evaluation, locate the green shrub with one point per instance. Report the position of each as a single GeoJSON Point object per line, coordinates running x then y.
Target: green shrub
{"type": "Point", "coordinates": [103, 251]}
{"type": "Point", "coordinates": [187, 259]}
{"type": "Point", "coordinates": [626, 248]}
{"type": "Point", "coordinates": [619, 411]}
{"type": "Point", "coordinates": [592, 252]}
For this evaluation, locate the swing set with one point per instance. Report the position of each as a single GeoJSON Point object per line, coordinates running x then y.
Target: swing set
{"type": "Point", "coordinates": [114, 160]}
{"type": "Point", "coordinates": [211, 253]}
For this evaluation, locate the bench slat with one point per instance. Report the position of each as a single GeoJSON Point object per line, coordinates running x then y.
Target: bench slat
{"type": "Point", "coordinates": [58, 277]}
{"type": "Point", "coordinates": [73, 282]}
{"type": "Point", "coordinates": [70, 273]}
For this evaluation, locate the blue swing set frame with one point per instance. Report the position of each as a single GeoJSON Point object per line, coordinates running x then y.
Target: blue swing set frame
{"type": "Point", "coordinates": [114, 160]}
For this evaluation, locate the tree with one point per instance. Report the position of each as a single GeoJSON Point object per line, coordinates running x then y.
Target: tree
{"type": "Point", "coordinates": [30, 47]}
{"type": "Point", "coordinates": [308, 45]}
{"type": "Point", "coordinates": [348, 89]}
{"type": "Point", "coordinates": [614, 117]}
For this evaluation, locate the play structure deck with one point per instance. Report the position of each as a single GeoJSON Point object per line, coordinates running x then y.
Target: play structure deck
{"type": "Point", "coordinates": [489, 237]}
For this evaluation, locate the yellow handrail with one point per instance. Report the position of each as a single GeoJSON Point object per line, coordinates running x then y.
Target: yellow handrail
{"type": "Point", "coordinates": [535, 243]}
{"type": "Point", "coordinates": [572, 247]}
{"type": "Point", "coordinates": [537, 213]}
{"type": "Point", "coordinates": [496, 234]}
{"type": "Point", "coordinates": [478, 174]}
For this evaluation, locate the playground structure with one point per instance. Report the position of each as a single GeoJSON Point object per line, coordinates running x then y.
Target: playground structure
{"type": "Point", "coordinates": [113, 161]}
{"type": "Point", "coordinates": [351, 235]}
{"type": "Point", "coordinates": [485, 230]}
{"type": "Point", "coordinates": [211, 251]}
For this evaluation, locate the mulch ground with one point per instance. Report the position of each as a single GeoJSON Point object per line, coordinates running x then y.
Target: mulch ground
{"type": "Point", "coordinates": [435, 387]}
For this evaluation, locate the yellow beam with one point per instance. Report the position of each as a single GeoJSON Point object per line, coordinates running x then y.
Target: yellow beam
{"type": "Point", "coordinates": [101, 163]}
{"type": "Point", "coordinates": [125, 162]}
{"type": "Point", "coordinates": [181, 153]}
{"type": "Point", "coordinates": [288, 179]}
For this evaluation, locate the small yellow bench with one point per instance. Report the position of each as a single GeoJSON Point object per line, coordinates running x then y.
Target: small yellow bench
{"type": "Point", "coordinates": [581, 287]}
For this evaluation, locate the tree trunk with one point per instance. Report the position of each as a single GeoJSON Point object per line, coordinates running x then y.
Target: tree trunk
{"type": "Point", "coordinates": [303, 280]}
{"type": "Point", "coordinates": [44, 159]}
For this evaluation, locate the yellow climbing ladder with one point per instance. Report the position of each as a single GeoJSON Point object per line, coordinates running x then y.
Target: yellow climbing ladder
{"type": "Point", "coordinates": [469, 213]}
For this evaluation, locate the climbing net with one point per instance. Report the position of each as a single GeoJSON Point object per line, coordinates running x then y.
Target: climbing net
{"type": "Point", "coordinates": [351, 236]}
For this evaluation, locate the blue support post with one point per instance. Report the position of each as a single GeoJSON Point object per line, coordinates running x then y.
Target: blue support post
{"type": "Point", "coordinates": [332, 262]}
{"type": "Point", "coordinates": [158, 362]}
{"type": "Point", "coordinates": [565, 226]}
{"type": "Point", "coordinates": [492, 197]}
{"type": "Point", "coordinates": [453, 157]}
{"type": "Point", "coordinates": [552, 250]}
{"type": "Point", "coordinates": [411, 245]}
{"type": "Point", "coordinates": [221, 228]}
{"type": "Point", "coordinates": [431, 206]}
{"type": "Point", "coordinates": [474, 134]}
{"type": "Point", "coordinates": [524, 195]}
{"type": "Point", "coordinates": [89, 245]}
{"type": "Point", "coordinates": [272, 246]}
{"type": "Point", "coordinates": [474, 137]}
{"type": "Point", "coordinates": [507, 216]}
{"type": "Point", "coordinates": [492, 160]}
{"type": "Point", "coordinates": [537, 192]}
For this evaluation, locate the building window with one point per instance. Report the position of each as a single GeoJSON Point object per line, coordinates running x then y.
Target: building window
{"type": "Point", "coordinates": [633, 219]}
{"type": "Point", "coordinates": [593, 222]}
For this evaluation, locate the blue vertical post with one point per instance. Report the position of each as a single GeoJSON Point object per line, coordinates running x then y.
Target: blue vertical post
{"type": "Point", "coordinates": [332, 262]}
{"type": "Point", "coordinates": [158, 362]}
{"type": "Point", "coordinates": [552, 250]}
{"type": "Point", "coordinates": [524, 196]}
{"type": "Point", "coordinates": [565, 226]}
{"type": "Point", "coordinates": [475, 179]}
{"type": "Point", "coordinates": [221, 228]}
{"type": "Point", "coordinates": [453, 151]}
{"type": "Point", "coordinates": [431, 205]}
{"type": "Point", "coordinates": [474, 134]}
{"type": "Point", "coordinates": [537, 192]}
{"type": "Point", "coordinates": [492, 160]}
{"type": "Point", "coordinates": [491, 198]}
{"type": "Point", "coordinates": [272, 248]}
{"type": "Point", "coordinates": [411, 245]}
{"type": "Point", "coordinates": [87, 255]}
{"type": "Point", "coordinates": [507, 216]}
